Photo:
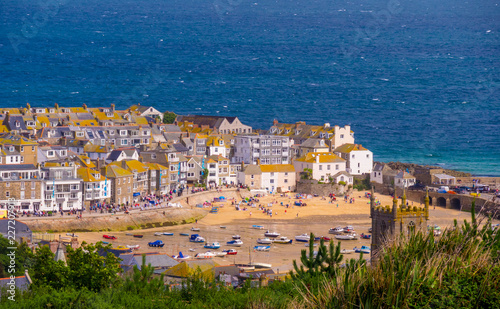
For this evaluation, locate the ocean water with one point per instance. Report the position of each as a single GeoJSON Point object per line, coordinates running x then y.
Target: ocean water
{"type": "Point", "coordinates": [418, 82]}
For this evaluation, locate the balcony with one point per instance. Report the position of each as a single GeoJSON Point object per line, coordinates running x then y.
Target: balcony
{"type": "Point", "coordinates": [255, 145]}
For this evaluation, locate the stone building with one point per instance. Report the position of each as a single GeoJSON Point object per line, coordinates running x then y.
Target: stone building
{"type": "Point", "coordinates": [121, 184]}
{"type": "Point", "coordinates": [388, 222]}
{"type": "Point", "coordinates": [22, 185]}
{"type": "Point", "coordinates": [16, 149]}
{"type": "Point", "coordinates": [266, 149]}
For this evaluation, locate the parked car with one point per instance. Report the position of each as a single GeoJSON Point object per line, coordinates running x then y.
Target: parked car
{"type": "Point", "coordinates": [109, 237]}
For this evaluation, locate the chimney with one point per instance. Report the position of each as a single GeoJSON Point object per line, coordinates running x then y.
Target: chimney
{"type": "Point", "coordinates": [84, 106]}
{"type": "Point", "coordinates": [327, 125]}
{"type": "Point", "coordinates": [275, 122]}
{"type": "Point", "coordinates": [7, 116]}
{"type": "Point", "coordinates": [53, 246]}
{"type": "Point", "coordinates": [112, 107]}
{"type": "Point", "coordinates": [317, 158]}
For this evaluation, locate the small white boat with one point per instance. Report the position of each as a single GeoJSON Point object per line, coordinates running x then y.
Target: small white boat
{"type": "Point", "coordinates": [133, 247]}
{"type": "Point", "coordinates": [159, 234]}
{"type": "Point", "coordinates": [265, 241]}
{"type": "Point", "coordinates": [192, 250]}
{"type": "Point", "coordinates": [352, 236]}
{"type": "Point", "coordinates": [348, 229]}
{"type": "Point", "coordinates": [271, 234]}
{"type": "Point", "coordinates": [336, 230]}
{"type": "Point", "coordinates": [303, 237]}
{"type": "Point", "coordinates": [71, 234]}
{"type": "Point", "coordinates": [181, 257]}
{"type": "Point", "coordinates": [205, 255]}
{"type": "Point", "coordinates": [220, 254]}
{"type": "Point", "coordinates": [236, 237]}
{"type": "Point", "coordinates": [261, 265]}
{"type": "Point", "coordinates": [262, 248]}
{"type": "Point", "coordinates": [283, 240]}
{"type": "Point", "coordinates": [168, 234]}
{"type": "Point", "coordinates": [195, 229]}
{"type": "Point", "coordinates": [346, 251]}
{"type": "Point", "coordinates": [214, 245]}
{"type": "Point", "coordinates": [230, 251]}
{"type": "Point", "coordinates": [258, 227]}
{"type": "Point", "coordinates": [235, 242]}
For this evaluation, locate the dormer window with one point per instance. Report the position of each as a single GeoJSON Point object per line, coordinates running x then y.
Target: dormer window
{"type": "Point", "coordinates": [123, 132]}
{"type": "Point", "coordinates": [50, 153]}
{"type": "Point", "coordinates": [18, 124]}
{"type": "Point", "coordinates": [109, 114]}
{"type": "Point", "coordinates": [297, 132]}
{"type": "Point", "coordinates": [221, 142]}
{"type": "Point", "coordinates": [52, 111]}
{"type": "Point", "coordinates": [79, 134]}
{"type": "Point", "coordinates": [111, 132]}
{"type": "Point", "coordinates": [40, 110]}
{"type": "Point", "coordinates": [11, 148]}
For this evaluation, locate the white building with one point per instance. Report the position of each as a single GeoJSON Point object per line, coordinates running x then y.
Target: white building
{"type": "Point", "coordinates": [377, 175]}
{"type": "Point", "coordinates": [359, 159]}
{"type": "Point", "coordinates": [323, 165]}
{"type": "Point", "coordinates": [96, 188]}
{"type": "Point", "coordinates": [278, 177]}
{"type": "Point", "coordinates": [343, 176]}
{"type": "Point", "coordinates": [404, 180]}
{"type": "Point", "coordinates": [62, 189]}
{"type": "Point", "coordinates": [217, 147]}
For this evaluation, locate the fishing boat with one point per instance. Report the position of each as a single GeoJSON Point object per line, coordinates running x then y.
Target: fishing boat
{"type": "Point", "coordinates": [303, 238]}
{"type": "Point", "coordinates": [348, 229]}
{"type": "Point", "coordinates": [158, 234]}
{"type": "Point", "coordinates": [262, 248]}
{"type": "Point", "coordinates": [196, 238]}
{"type": "Point", "coordinates": [336, 230]}
{"type": "Point", "coordinates": [365, 236]}
{"type": "Point", "coordinates": [230, 251]}
{"type": "Point", "coordinates": [205, 255]}
{"type": "Point", "coordinates": [271, 234]}
{"type": "Point", "coordinates": [347, 237]}
{"type": "Point", "coordinates": [236, 237]}
{"type": "Point", "coordinates": [195, 229]}
{"type": "Point", "coordinates": [181, 257]}
{"type": "Point", "coordinates": [138, 236]}
{"type": "Point", "coordinates": [184, 234]}
{"type": "Point", "coordinates": [168, 234]}
{"type": "Point", "coordinates": [235, 242]}
{"type": "Point", "coordinates": [133, 247]}
{"type": "Point", "coordinates": [346, 251]}
{"type": "Point", "coordinates": [258, 227]}
{"type": "Point", "coordinates": [214, 245]}
{"type": "Point", "coordinates": [283, 240]}
{"type": "Point", "coordinates": [264, 241]}
{"type": "Point", "coordinates": [363, 249]}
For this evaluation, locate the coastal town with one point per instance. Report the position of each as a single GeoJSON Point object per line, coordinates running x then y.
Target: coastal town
{"type": "Point", "coordinates": [84, 163]}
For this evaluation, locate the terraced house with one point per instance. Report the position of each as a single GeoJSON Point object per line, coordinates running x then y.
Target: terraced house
{"type": "Point", "coordinates": [22, 185]}
{"type": "Point", "coordinates": [62, 187]}
{"type": "Point", "coordinates": [268, 149]}
{"type": "Point", "coordinates": [96, 188]}
{"type": "Point", "coordinates": [140, 172]}
{"type": "Point", "coordinates": [122, 182]}
{"type": "Point", "coordinates": [158, 178]}
{"type": "Point", "coordinates": [17, 149]}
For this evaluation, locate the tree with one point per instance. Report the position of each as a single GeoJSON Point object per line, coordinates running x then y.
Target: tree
{"type": "Point", "coordinates": [23, 257]}
{"type": "Point", "coordinates": [169, 117]}
{"type": "Point", "coordinates": [311, 260]}
{"type": "Point", "coordinates": [86, 268]}
{"type": "Point", "coordinates": [204, 175]}
{"type": "Point", "coordinates": [307, 173]}
{"type": "Point", "coordinates": [46, 271]}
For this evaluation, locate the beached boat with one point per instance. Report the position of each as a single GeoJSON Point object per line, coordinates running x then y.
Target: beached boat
{"type": "Point", "coordinates": [133, 247]}
{"type": "Point", "coordinates": [324, 238]}
{"type": "Point", "coordinates": [184, 234]}
{"type": "Point", "coordinates": [303, 238]}
{"type": "Point", "coordinates": [181, 257]}
{"type": "Point", "coordinates": [158, 234]}
{"type": "Point", "coordinates": [105, 242]}
{"type": "Point", "coordinates": [346, 251]}
{"type": "Point", "coordinates": [220, 254]}
{"type": "Point", "coordinates": [262, 248]}
{"type": "Point", "coordinates": [264, 241]}
{"type": "Point", "coordinates": [236, 237]}
{"type": "Point", "coordinates": [258, 227]}
{"type": "Point", "coordinates": [347, 237]}
{"type": "Point", "coordinates": [271, 234]}
{"type": "Point", "coordinates": [222, 227]}
{"type": "Point", "coordinates": [336, 230]}
{"type": "Point", "coordinates": [168, 234]}
{"type": "Point", "coordinates": [205, 255]}
{"type": "Point", "coordinates": [363, 249]}
{"type": "Point", "coordinates": [437, 232]}
{"type": "Point", "coordinates": [235, 242]}
{"type": "Point", "coordinates": [71, 234]}
{"type": "Point", "coordinates": [261, 265]}
{"type": "Point", "coordinates": [196, 238]}
{"type": "Point", "coordinates": [121, 248]}
{"type": "Point", "coordinates": [195, 229]}
{"type": "Point", "coordinates": [348, 229]}
{"type": "Point", "coordinates": [365, 236]}
{"type": "Point", "coordinates": [230, 251]}
{"type": "Point", "coordinates": [370, 230]}
{"type": "Point", "coordinates": [138, 236]}
{"type": "Point", "coordinates": [214, 245]}
{"type": "Point", "coordinates": [157, 243]}
{"type": "Point", "coordinates": [109, 237]}
{"type": "Point", "coordinates": [283, 240]}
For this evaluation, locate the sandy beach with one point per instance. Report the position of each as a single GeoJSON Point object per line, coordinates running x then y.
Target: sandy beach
{"type": "Point", "coordinates": [317, 217]}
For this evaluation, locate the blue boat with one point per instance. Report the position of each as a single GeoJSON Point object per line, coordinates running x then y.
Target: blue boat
{"type": "Point", "coordinates": [364, 249]}
{"type": "Point", "coordinates": [168, 234]}
{"type": "Point", "coordinates": [184, 234]}
{"type": "Point", "coordinates": [196, 238]}
{"type": "Point", "coordinates": [259, 227]}
{"type": "Point", "coordinates": [214, 245]}
{"type": "Point", "coordinates": [262, 248]}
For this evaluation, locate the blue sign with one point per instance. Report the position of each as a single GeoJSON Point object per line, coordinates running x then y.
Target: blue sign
{"type": "Point", "coordinates": [179, 171]}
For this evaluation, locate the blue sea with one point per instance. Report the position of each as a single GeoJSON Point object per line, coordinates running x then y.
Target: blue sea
{"type": "Point", "coordinates": [418, 81]}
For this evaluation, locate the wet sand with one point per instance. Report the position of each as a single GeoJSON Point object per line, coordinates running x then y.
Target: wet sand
{"type": "Point", "coordinates": [318, 217]}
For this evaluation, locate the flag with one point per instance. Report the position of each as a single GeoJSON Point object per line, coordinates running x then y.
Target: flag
{"type": "Point", "coordinates": [53, 188]}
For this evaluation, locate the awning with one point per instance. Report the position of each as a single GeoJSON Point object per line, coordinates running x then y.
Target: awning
{"type": "Point", "coordinates": [25, 204]}
{"type": "Point", "coordinates": [137, 194]}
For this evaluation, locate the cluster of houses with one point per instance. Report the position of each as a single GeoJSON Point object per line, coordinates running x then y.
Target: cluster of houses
{"type": "Point", "coordinates": [68, 158]}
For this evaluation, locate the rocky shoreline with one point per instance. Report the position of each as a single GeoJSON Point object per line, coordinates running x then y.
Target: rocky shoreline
{"type": "Point", "coordinates": [412, 166]}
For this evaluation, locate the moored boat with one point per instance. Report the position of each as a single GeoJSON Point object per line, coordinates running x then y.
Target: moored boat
{"type": "Point", "coordinates": [364, 249]}
{"type": "Point", "coordinates": [264, 241]}
{"type": "Point", "coordinates": [258, 227]}
{"type": "Point", "coordinates": [347, 237]}
{"type": "Point", "coordinates": [181, 257]}
{"type": "Point", "coordinates": [195, 229]}
{"type": "Point", "coordinates": [348, 229]}
{"type": "Point", "coordinates": [133, 247]}
{"type": "Point", "coordinates": [346, 251]}
{"type": "Point", "coordinates": [214, 245]}
{"type": "Point", "coordinates": [261, 265]}
{"type": "Point", "coordinates": [168, 234]}
{"type": "Point", "coordinates": [262, 248]}
{"type": "Point", "coordinates": [271, 234]}
{"type": "Point", "coordinates": [220, 254]}
{"type": "Point", "coordinates": [365, 236]}
{"type": "Point", "coordinates": [158, 234]}
{"type": "Point", "coordinates": [303, 238]}
{"type": "Point", "coordinates": [184, 234]}
{"type": "Point", "coordinates": [138, 236]}
{"type": "Point", "coordinates": [283, 240]}
{"type": "Point", "coordinates": [230, 251]}
{"type": "Point", "coordinates": [235, 242]}
{"type": "Point", "coordinates": [236, 237]}
{"type": "Point", "coordinates": [205, 255]}
{"type": "Point", "coordinates": [196, 238]}
{"type": "Point", "coordinates": [336, 230]}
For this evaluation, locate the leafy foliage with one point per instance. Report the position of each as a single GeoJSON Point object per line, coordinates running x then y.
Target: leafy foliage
{"type": "Point", "coordinates": [169, 117]}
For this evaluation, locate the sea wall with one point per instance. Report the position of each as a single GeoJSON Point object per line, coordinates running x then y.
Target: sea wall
{"type": "Point", "coordinates": [309, 187]}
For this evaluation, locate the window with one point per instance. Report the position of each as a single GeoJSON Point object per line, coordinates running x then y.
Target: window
{"type": "Point", "coordinates": [368, 156]}
{"type": "Point", "coordinates": [336, 167]}
{"type": "Point", "coordinates": [328, 167]}
{"type": "Point", "coordinates": [359, 164]}
{"type": "Point", "coordinates": [271, 181]}
{"type": "Point", "coordinates": [7, 193]}
{"type": "Point", "coordinates": [286, 174]}
{"type": "Point", "coordinates": [22, 185]}
{"type": "Point", "coordinates": [320, 167]}
{"type": "Point", "coordinates": [118, 181]}
{"type": "Point", "coordinates": [286, 180]}
{"type": "Point", "coordinates": [251, 183]}
{"type": "Point", "coordinates": [341, 135]}
{"type": "Point", "coordinates": [153, 173]}
{"type": "Point", "coordinates": [33, 185]}
{"type": "Point", "coordinates": [119, 191]}
{"type": "Point", "coordinates": [353, 156]}
{"type": "Point", "coordinates": [123, 132]}
{"type": "Point", "coordinates": [22, 148]}
{"type": "Point", "coordinates": [7, 184]}
{"type": "Point", "coordinates": [124, 142]}
{"type": "Point", "coordinates": [251, 176]}
{"type": "Point", "coordinates": [33, 195]}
